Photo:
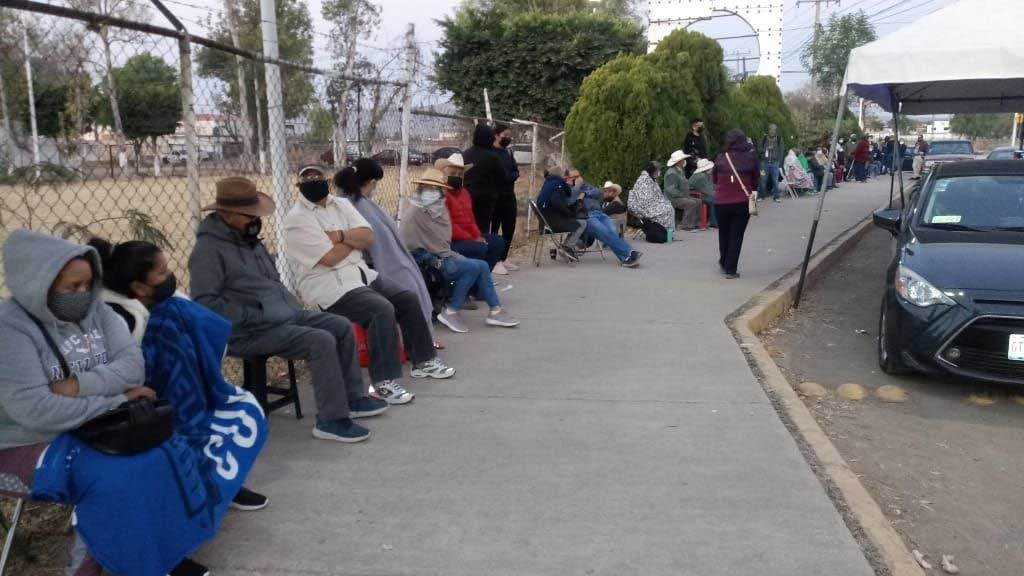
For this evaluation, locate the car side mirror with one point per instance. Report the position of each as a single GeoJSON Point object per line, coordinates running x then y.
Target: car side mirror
{"type": "Point", "coordinates": [888, 219]}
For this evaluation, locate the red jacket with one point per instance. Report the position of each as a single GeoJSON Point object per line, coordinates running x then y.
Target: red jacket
{"type": "Point", "coordinates": [863, 151]}
{"type": "Point", "coordinates": [460, 208]}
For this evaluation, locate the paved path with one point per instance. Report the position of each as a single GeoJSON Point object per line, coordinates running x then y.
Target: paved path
{"type": "Point", "coordinates": [618, 431]}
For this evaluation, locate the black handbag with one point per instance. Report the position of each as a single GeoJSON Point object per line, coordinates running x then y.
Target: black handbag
{"type": "Point", "coordinates": [133, 427]}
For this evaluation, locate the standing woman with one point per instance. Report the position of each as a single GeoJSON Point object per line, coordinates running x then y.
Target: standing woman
{"type": "Point", "coordinates": [390, 259]}
{"type": "Point", "coordinates": [735, 174]}
{"type": "Point", "coordinates": [487, 176]}
{"type": "Point", "coordinates": [506, 209]}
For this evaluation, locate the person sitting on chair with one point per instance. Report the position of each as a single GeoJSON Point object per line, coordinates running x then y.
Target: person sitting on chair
{"type": "Point", "coordinates": [599, 225]}
{"type": "Point", "coordinates": [467, 239]}
{"type": "Point", "coordinates": [558, 205]}
{"type": "Point", "coordinates": [700, 181]}
{"type": "Point", "coordinates": [324, 240]}
{"type": "Point", "coordinates": [677, 189]}
{"type": "Point", "coordinates": [426, 225]}
{"type": "Point", "coordinates": [233, 274]}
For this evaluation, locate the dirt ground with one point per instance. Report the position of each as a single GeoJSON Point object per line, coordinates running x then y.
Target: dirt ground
{"type": "Point", "coordinates": [946, 465]}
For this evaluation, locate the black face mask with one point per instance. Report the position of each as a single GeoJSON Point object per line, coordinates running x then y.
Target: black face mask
{"type": "Point", "coordinates": [455, 182]}
{"type": "Point", "coordinates": [253, 229]}
{"type": "Point", "coordinates": [700, 129]}
{"type": "Point", "coordinates": [165, 289]}
{"type": "Point", "coordinates": [315, 190]}
{"type": "Point", "coordinates": [504, 142]}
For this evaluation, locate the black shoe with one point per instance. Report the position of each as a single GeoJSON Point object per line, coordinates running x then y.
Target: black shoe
{"type": "Point", "coordinates": [189, 567]}
{"type": "Point", "coordinates": [732, 275]}
{"type": "Point", "coordinates": [248, 500]}
{"type": "Point", "coordinates": [633, 260]}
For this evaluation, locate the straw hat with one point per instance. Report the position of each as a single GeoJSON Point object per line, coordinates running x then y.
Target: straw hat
{"type": "Point", "coordinates": [613, 185]}
{"type": "Point", "coordinates": [455, 160]}
{"type": "Point", "coordinates": [704, 165]}
{"type": "Point", "coordinates": [239, 195]}
{"type": "Point", "coordinates": [677, 157]}
{"type": "Point", "coordinates": [431, 177]}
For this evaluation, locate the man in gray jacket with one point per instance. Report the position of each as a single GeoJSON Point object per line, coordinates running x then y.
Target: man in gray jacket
{"type": "Point", "coordinates": [233, 274]}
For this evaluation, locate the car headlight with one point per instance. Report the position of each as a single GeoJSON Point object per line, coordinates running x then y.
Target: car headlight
{"type": "Point", "coordinates": [918, 291]}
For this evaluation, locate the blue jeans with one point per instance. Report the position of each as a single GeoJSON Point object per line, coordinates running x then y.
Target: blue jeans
{"type": "Point", "coordinates": [601, 227]}
{"type": "Point", "coordinates": [468, 273]}
{"type": "Point", "coordinates": [771, 180]}
{"type": "Point", "coordinates": [491, 252]}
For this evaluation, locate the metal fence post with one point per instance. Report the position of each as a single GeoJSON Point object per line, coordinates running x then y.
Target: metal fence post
{"type": "Point", "coordinates": [260, 146]}
{"type": "Point", "coordinates": [533, 173]}
{"type": "Point", "coordinates": [243, 87]}
{"type": "Point", "coordinates": [410, 74]}
{"type": "Point", "coordinates": [31, 99]}
{"type": "Point", "coordinates": [188, 120]}
{"type": "Point", "coordinates": [275, 126]}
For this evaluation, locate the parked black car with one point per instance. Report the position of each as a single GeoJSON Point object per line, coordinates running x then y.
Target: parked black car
{"type": "Point", "coordinates": [392, 157]}
{"type": "Point", "coordinates": [954, 296]}
{"type": "Point", "coordinates": [444, 153]}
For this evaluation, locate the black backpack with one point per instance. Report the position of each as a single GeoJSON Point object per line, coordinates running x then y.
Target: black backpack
{"type": "Point", "coordinates": [654, 232]}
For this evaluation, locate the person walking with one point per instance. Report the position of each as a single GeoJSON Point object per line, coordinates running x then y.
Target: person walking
{"type": "Point", "coordinates": [771, 155]}
{"type": "Point", "coordinates": [506, 208]}
{"type": "Point", "coordinates": [735, 175]}
{"type": "Point", "coordinates": [485, 181]}
{"type": "Point", "coordinates": [920, 151]}
{"type": "Point", "coordinates": [861, 156]}
{"type": "Point", "coordinates": [695, 146]}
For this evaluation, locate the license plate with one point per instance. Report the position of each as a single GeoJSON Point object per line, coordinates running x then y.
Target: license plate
{"type": "Point", "coordinates": [1016, 351]}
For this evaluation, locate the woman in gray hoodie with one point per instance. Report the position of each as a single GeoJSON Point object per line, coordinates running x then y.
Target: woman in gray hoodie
{"type": "Point", "coordinates": [56, 283]}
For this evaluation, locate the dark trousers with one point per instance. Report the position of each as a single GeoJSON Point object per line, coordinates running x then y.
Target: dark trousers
{"type": "Point", "coordinates": [503, 221]}
{"type": "Point", "coordinates": [732, 224]}
{"type": "Point", "coordinates": [327, 342]}
{"type": "Point", "coordinates": [490, 251]}
{"type": "Point", "coordinates": [860, 171]}
{"type": "Point", "coordinates": [483, 210]}
{"type": "Point", "coordinates": [377, 308]}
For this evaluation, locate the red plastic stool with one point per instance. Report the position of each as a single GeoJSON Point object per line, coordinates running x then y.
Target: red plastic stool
{"type": "Point", "coordinates": [703, 209]}
{"type": "Point", "coordinates": [364, 349]}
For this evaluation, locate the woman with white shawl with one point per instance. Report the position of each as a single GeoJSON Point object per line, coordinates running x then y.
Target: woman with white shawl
{"type": "Point", "coordinates": [646, 200]}
{"type": "Point", "coordinates": [795, 173]}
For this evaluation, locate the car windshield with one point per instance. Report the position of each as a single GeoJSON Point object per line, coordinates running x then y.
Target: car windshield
{"type": "Point", "coordinates": [976, 203]}
{"type": "Point", "coordinates": [950, 148]}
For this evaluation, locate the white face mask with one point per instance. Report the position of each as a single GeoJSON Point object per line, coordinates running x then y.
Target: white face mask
{"type": "Point", "coordinates": [430, 196]}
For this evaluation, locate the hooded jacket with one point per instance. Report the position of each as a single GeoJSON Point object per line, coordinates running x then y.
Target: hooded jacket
{"type": "Point", "coordinates": [729, 189]}
{"type": "Point", "coordinates": [100, 351]}
{"type": "Point", "coordinates": [488, 175]}
{"type": "Point", "coordinates": [237, 279]}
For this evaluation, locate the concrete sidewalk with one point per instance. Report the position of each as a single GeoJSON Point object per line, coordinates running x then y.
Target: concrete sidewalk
{"type": "Point", "coordinates": [618, 431]}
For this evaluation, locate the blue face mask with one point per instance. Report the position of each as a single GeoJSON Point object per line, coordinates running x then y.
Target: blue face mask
{"type": "Point", "coordinates": [430, 196]}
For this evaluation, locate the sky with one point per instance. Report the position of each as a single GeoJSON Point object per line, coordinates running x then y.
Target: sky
{"type": "Point", "coordinates": [887, 16]}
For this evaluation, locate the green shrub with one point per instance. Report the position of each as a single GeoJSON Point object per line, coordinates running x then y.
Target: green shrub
{"type": "Point", "coordinates": [630, 111]}
{"type": "Point", "coordinates": [757, 103]}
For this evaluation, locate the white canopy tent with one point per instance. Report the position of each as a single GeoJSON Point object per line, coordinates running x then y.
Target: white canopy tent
{"type": "Point", "coordinates": [965, 58]}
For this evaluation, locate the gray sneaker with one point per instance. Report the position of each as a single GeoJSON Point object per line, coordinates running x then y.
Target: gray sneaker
{"type": "Point", "coordinates": [498, 317]}
{"type": "Point", "coordinates": [432, 368]}
{"type": "Point", "coordinates": [451, 319]}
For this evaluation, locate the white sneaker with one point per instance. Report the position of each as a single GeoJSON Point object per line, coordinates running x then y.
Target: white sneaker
{"type": "Point", "coordinates": [432, 368]}
{"type": "Point", "coordinates": [392, 392]}
{"type": "Point", "coordinates": [510, 266]}
{"type": "Point", "coordinates": [451, 319]}
{"type": "Point", "coordinates": [499, 269]}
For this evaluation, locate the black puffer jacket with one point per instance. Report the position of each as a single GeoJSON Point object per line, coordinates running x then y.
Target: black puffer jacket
{"type": "Point", "coordinates": [487, 177]}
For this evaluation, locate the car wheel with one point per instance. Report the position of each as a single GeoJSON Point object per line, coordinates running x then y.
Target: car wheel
{"type": "Point", "coordinates": [888, 353]}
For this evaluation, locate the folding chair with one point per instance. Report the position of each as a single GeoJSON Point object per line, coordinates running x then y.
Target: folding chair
{"type": "Point", "coordinates": [544, 229]}
{"type": "Point", "coordinates": [9, 540]}
{"type": "Point", "coordinates": [789, 185]}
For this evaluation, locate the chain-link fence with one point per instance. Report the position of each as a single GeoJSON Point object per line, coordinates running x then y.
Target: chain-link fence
{"type": "Point", "coordinates": [121, 129]}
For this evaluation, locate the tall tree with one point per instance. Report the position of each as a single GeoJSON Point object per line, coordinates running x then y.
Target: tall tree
{"type": "Point", "coordinates": [531, 64]}
{"type": "Point", "coordinates": [382, 97]}
{"type": "Point", "coordinates": [616, 8]}
{"type": "Point", "coordinates": [351, 20]}
{"type": "Point", "coordinates": [826, 58]}
{"type": "Point", "coordinates": [295, 44]}
{"type": "Point", "coordinates": [814, 116]}
{"type": "Point", "coordinates": [982, 125]}
{"type": "Point", "coordinates": [756, 104]}
{"type": "Point", "coordinates": [150, 100]}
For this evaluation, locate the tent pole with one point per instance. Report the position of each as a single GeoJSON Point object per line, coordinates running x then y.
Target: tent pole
{"type": "Point", "coordinates": [821, 196]}
{"type": "Point", "coordinates": [895, 147]}
{"type": "Point", "coordinates": [903, 201]}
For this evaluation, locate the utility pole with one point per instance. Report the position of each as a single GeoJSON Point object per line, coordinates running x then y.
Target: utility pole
{"type": "Point", "coordinates": [817, 25]}
{"type": "Point", "coordinates": [31, 99]}
{"type": "Point", "coordinates": [248, 159]}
